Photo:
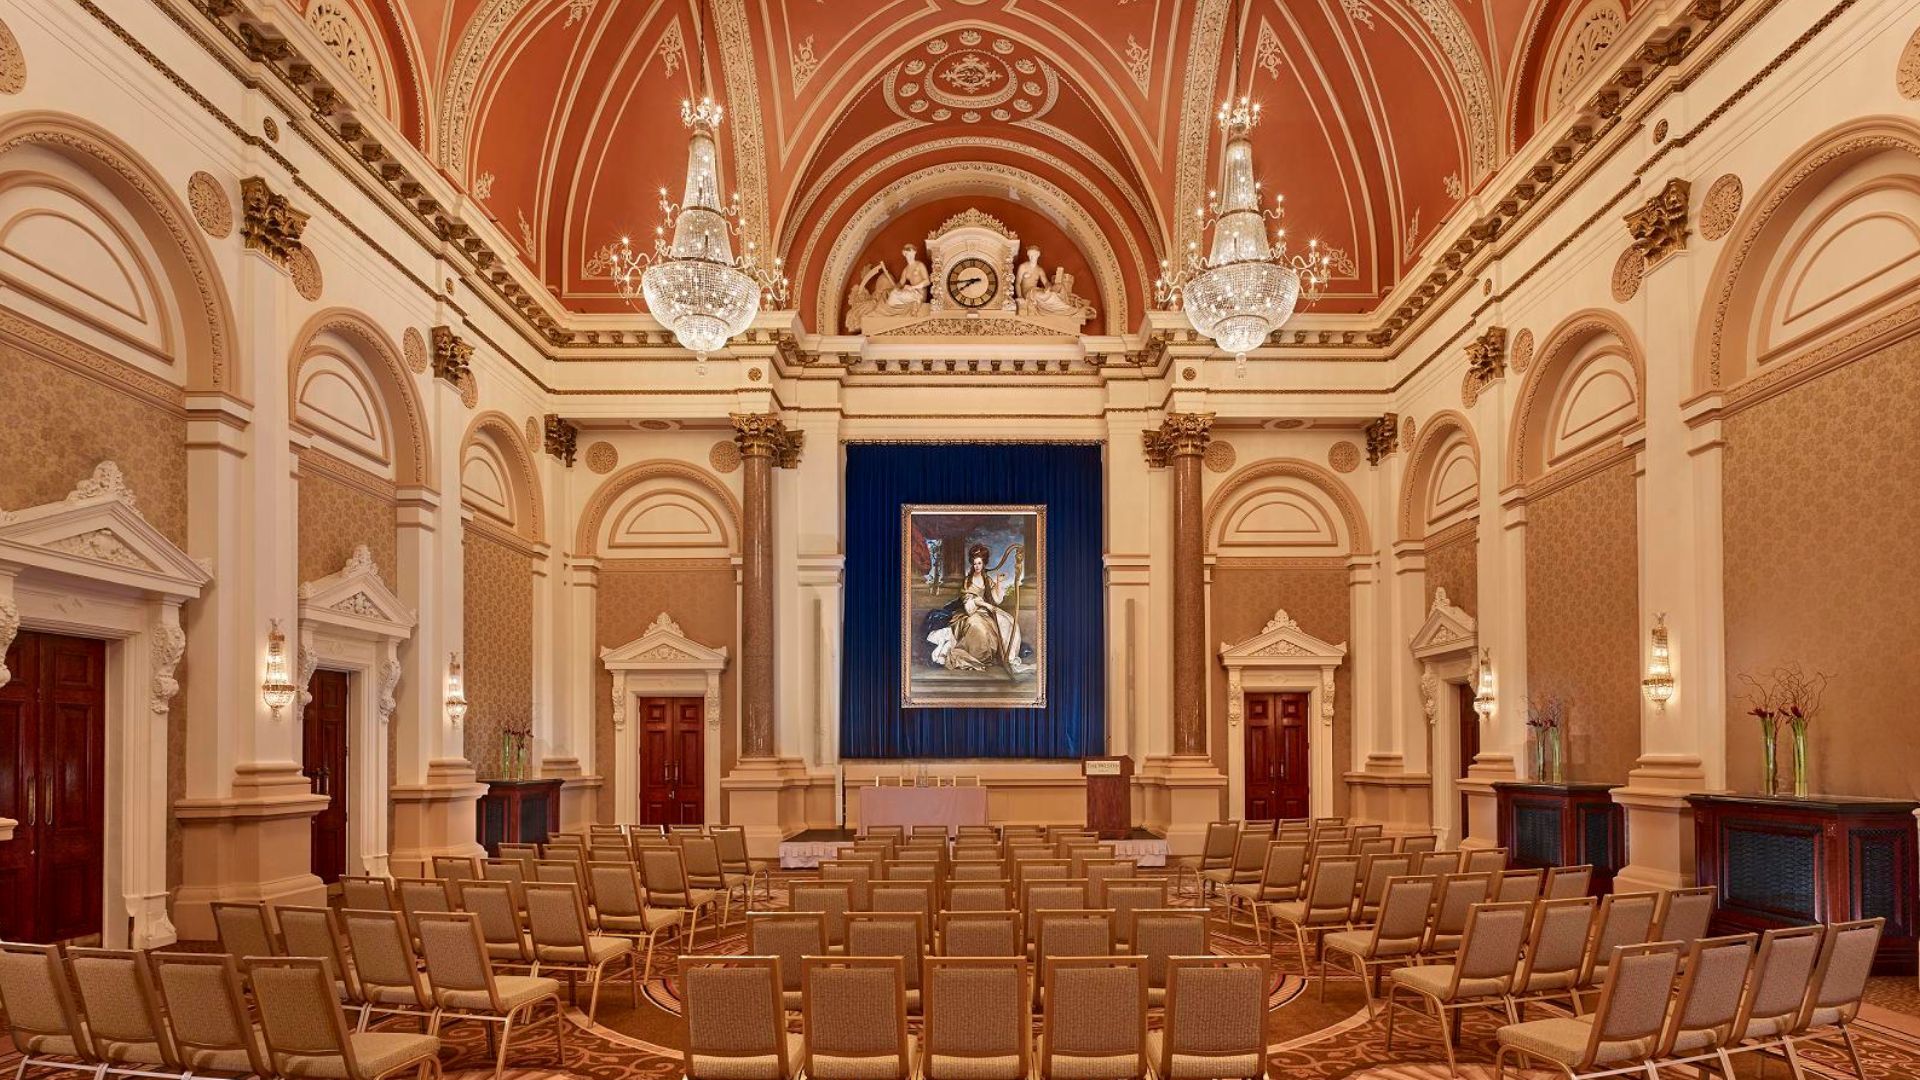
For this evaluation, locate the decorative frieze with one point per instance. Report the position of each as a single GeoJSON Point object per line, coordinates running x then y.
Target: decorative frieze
{"type": "Point", "coordinates": [452, 356]}
{"type": "Point", "coordinates": [766, 435]}
{"type": "Point", "coordinates": [561, 439]}
{"type": "Point", "coordinates": [1383, 437]}
{"type": "Point", "coordinates": [1659, 227]}
{"type": "Point", "coordinates": [268, 222]}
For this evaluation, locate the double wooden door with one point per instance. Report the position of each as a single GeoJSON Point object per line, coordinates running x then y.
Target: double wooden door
{"type": "Point", "coordinates": [324, 760]}
{"type": "Point", "coordinates": [1277, 763]}
{"type": "Point", "coordinates": [672, 772]}
{"type": "Point", "coordinates": [53, 781]}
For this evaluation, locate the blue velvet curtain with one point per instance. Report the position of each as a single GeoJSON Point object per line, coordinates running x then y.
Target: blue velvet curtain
{"type": "Point", "coordinates": [1069, 481]}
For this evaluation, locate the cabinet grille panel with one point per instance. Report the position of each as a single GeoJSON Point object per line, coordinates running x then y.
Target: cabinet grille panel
{"type": "Point", "coordinates": [1596, 836]}
{"type": "Point", "coordinates": [1877, 862]}
{"type": "Point", "coordinates": [1771, 871]}
{"type": "Point", "coordinates": [1536, 835]}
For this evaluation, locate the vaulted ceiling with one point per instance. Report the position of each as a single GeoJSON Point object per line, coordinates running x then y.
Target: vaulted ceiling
{"type": "Point", "coordinates": [1086, 125]}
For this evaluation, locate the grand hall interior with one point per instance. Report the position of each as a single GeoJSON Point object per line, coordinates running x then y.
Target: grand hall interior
{"type": "Point", "coordinates": [959, 539]}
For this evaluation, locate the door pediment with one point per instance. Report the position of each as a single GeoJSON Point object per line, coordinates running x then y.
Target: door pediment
{"type": "Point", "coordinates": [98, 533]}
{"type": "Point", "coordinates": [356, 598]}
{"type": "Point", "coordinates": [1283, 644]}
{"type": "Point", "coordinates": [664, 647]}
{"type": "Point", "coordinates": [1447, 630]}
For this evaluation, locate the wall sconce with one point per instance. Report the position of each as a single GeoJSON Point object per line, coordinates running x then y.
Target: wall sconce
{"type": "Point", "coordinates": [1659, 681]}
{"type": "Point", "coordinates": [1483, 694]}
{"type": "Point", "coordinates": [456, 697]}
{"type": "Point", "coordinates": [277, 689]}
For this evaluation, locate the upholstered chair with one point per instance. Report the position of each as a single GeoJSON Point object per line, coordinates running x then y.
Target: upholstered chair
{"type": "Point", "coordinates": [665, 876]}
{"type": "Point", "coordinates": [1838, 985]}
{"type": "Point", "coordinates": [1216, 1017]}
{"type": "Point", "coordinates": [1685, 914]}
{"type": "Point", "coordinates": [901, 934]}
{"type": "Point", "coordinates": [1556, 952]}
{"type": "Point", "coordinates": [115, 993]}
{"type": "Point", "coordinates": [832, 899]}
{"type": "Point", "coordinates": [1700, 1022]}
{"type": "Point", "coordinates": [620, 904]}
{"type": "Point", "coordinates": [854, 1013]}
{"type": "Point", "coordinates": [1394, 938]}
{"type": "Point", "coordinates": [307, 1036]}
{"type": "Point", "coordinates": [1458, 894]}
{"type": "Point", "coordinates": [1481, 976]}
{"type": "Point", "coordinates": [1326, 903]}
{"type": "Point", "coordinates": [789, 936]}
{"type": "Point", "coordinates": [1126, 896]}
{"type": "Point", "coordinates": [978, 1023]}
{"type": "Point", "coordinates": [981, 933]}
{"type": "Point", "coordinates": [1566, 881]}
{"type": "Point", "coordinates": [367, 893]}
{"type": "Point", "coordinates": [986, 895]}
{"type": "Point", "coordinates": [1622, 1032]}
{"type": "Point", "coordinates": [1160, 935]}
{"type": "Point", "coordinates": [244, 929]}
{"type": "Point", "coordinates": [736, 1022]}
{"type": "Point", "coordinates": [502, 928]}
{"type": "Point", "coordinates": [1093, 1025]}
{"type": "Point", "coordinates": [1624, 919]}
{"type": "Point", "coordinates": [314, 931]}
{"type": "Point", "coordinates": [465, 987]}
{"type": "Point", "coordinates": [386, 966]}
{"type": "Point", "coordinates": [207, 1015]}
{"type": "Point", "coordinates": [563, 941]}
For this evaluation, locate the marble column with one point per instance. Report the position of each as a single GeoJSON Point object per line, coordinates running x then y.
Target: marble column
{"type": "Point", "coordinates": [1179, 444]}
{"type": "Point", "coordinates": [765, 443]}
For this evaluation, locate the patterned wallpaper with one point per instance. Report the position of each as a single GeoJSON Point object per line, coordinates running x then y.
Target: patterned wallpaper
{"type": "Point", "coordinates": [1583, 617]}
{"type": "Point", "coordinates": [1241, 602]}
{"type": "Point", "coordinates": [1454, 565]}
{"type": "Point", "coordinates": [702, 598]}
{"type": "Point", "coordinates": [1823, 567]}
{"type": "Point", "coordinates": [498, 583]}
{"type": "Point", "coordinates": [336, 515]}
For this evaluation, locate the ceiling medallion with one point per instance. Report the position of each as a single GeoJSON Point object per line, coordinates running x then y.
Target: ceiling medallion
{"type": "Point", "coordinates": [1343, 456]}
{"type": "Point", "coordinates": [962, 77]}
{"type": "Point", "coordinates": [694, 285]}
{"type": "Point", "coordinates": [1721, 206]}
{"type": "Point", "coordinates": [602, 458]}
{"type": "Point", "coordinates": [1248, 284]}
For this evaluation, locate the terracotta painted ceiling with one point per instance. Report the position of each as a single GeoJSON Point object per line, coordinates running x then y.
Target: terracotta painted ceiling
{"type": "Point", "coordinates": [1085, 125]}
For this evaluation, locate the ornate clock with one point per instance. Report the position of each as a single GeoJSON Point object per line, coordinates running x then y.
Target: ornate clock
{"type": "Point", "coordinates": [973, 282]}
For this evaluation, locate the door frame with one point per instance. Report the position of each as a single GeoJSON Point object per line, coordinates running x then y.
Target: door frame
{"type": "Point", "coordinates": [663, 662]}
{"type": "Point", "coordinates": [1283, 657]}
{"type": "Point", "coordinates": [351, 622]}
{"type": "Point", "coordinates": [91, 566]}
{"type": "Point", "coordinates": [1444, 647]}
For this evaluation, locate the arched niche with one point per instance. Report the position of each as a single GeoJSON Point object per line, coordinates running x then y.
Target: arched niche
{"type": "Point", "coordinates": [1269, 502]}
{"type": "Point", "coordinates": [1581, 396]}
{"type": "Point", "coordinates": [350, 393]}
{"type": "Point", "coordinates": [1442, 485]}
{"type": "Point", "coordinates": [106, 252]}
{"type": "Point", "coordinates": [498, 479]}
{"type": "Point", "coordinates": [659, 509]}
{"type": "Point", "coordinates": [1826, 257]}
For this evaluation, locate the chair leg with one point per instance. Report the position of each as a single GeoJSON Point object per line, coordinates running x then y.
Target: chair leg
{"type": "Point", "coordinates": [1300, 939]}
{"type": "Point", "coordinates": [633, 978]}
{"type": "Point", "coordinates": [1393, 993]}
{"type": "Point", "coordinates": [500, 1059]}
{"type": "Point", "coordinates": [593, 987]}
{"type": "Point", "coordinates": [1366, 982]}
{"type": "Point", "coordinates": [647, 971]}
{"type": "Point", "coordinates": [1500, 1064]}
{"type": "Point", "coordinates": [1853, 1052]}
{"type": "Point", "coordinates": [1447, 1036]}
{"type": "Point", "coordinates": [559, 1031]}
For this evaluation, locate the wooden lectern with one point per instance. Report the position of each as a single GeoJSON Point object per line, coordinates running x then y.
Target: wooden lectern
{"type": "Point", "coordinates": [1109, 796]}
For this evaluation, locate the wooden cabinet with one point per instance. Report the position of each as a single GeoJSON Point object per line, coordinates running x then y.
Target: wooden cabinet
{"type": "Point", "coordinates": [518, 812]}
{"type": "Point", "coordinates": [1782, 861]}
{"type": "Point", "coordinates": [1569, 824]}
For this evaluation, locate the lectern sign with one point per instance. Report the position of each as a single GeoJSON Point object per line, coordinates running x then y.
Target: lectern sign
{"type": "Point", "coordinates": [973, 613]}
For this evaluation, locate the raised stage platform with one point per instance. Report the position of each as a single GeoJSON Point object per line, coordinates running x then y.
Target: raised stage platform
{"type": "Point", "coordinates": [804, 851]}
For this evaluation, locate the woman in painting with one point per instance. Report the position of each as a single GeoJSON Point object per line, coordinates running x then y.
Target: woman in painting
{"type": "Point", "coordinates": [973, 632]}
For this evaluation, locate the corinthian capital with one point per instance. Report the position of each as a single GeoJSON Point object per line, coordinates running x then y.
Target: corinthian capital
{"type": "Point", "coordinates": [766, 435]}
{"type": "Point", "coordinates": [1186, 433]}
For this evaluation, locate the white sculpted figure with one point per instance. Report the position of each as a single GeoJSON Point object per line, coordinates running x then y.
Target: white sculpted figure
{"type": "Point", "coordinates": [887, 296]}
{"type": "Point", "coordinates": [1036, 294]}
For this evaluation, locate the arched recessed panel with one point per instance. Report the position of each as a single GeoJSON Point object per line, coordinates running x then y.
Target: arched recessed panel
{"type": "Point", "coordinates": [497, 477]}
{"type": "Point", "coordinates": [484, 483]}
{"type": "Point", "coordinates": [1456, 483]}
{"type": "Point", "coordinates": [1280, 515]}
{"type": "Point", "coordinates": [338, 402]}
{"type": "Point", "coordinates": [1848, 256]}
{"type": "Point", "coordinates": [1582, 393]}
{"type": "Point", "coordinates": [1598, 401]}
{"type": "Point", "coordinates": [662, 518]}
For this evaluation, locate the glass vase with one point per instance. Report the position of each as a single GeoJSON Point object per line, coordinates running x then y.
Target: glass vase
{"type": "Point", "coordinates": [1799, 762]}
{"type": "Point", "coordinates": [1539, 754]}
{"type": "Point", "coordinates": [1556, 758]}
{"type": "Point", "coordinates": [1769, 759]}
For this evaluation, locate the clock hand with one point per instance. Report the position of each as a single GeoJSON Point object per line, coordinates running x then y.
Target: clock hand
{"type": "Point", "coordinates": [972, 280]}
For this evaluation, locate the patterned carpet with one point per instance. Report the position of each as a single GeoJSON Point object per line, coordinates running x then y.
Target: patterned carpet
{"type": "Point", "coordinates": [1308, 1038]}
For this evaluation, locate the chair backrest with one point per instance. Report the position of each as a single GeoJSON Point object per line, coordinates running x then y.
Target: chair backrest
{"type": "Point", "coordinates": [1362, 832]}
{"type": "Point", "coordinates": [1039, 896]}
{"type": "Point", "coordinates": [1782, 977]}
{"type": "Point", "coordinates": [1845, 962]}
{"type": "Point", "coordinates": [895, 831]}
{"type": "Point", "coordinates": [854, 1013]}
{"type": "Point", "coordinates": [1216, 852]}
{"type": "Point", "coordinates": [702, 855]}
{"type": "Point", "coordinates": [1325, 847]}
{"type": "Point", "coordinates": [981, 933]}
{"type": "Point", "coordinates": [616, 889]}
{"type": "Point", "coordinates": [1514, 885]}
{"type": "Point", "coordinates": [207, 1013]}
{"type": "Point", "coordinates": [1095, 1011]}
{"type": "Point", "coordinates": [831, 898]}
{"type": "Point", "coordinates": [1436, 862]}
{"type": "Point", "coordinates": [1098, 872]}
{"type": "Point", "coordinates": [979, 895]}
{"type": "Point", "coordinates": [494, 905]}
{"type": "Point", "coordinates": [1458, 894]}
{"type": "Point", "coordinates": [1072, 933]}
{"type": "Point", "coordinates": [519, 852]}
{"type": "Point", "coordinates": [512, 871]}
{"type": "Point", "coordinates": [115, 993]}
{"type": "Point", "coordinates": [300, 1013]}
{"type": "Point", "coordinates": [1375, 870]}
{"type": "Point", "coordinates": [899, 870]}
{"type": "Point", "coordinates": [1708, 1000]}
{"type": "Point", "coordinates": [558, 871]}
{"type": "Point", "coordinates": [1330, 883]}
{"type": "Point", "coordinates": [890, 933]}
{"type": "Point", "coordinates": [1249, 855]}
{"type": "Point", "coordinates": [1490, 945]}
{"type": "Point", "coordinates": [1685, 914]}
{"type": "Point", "coordinates": [1414, 843]}
{"type": "Point", "coordinates": [1557, 943]}
{"type": "Point", "coordinates": [1159, 934]}
{"type": "Point", "coordinates": [665, 877]}
{"type": "Point", "coordinates": [904, 896]}
{"type": "Point", "coordinates": [243, 928]}
{"type": "Point", "coordinates": [610, 853]}
{"type": "Point", "coordinates": [1401, 925]}
{"type": "Point", "coordinates": [1283, 871]}
{"type": "Point", "coordinates": [456, 954]}
{"type": "Point", "coordinates": [731, 843]}
{"type": "Point", "coordinates": [1025, 870]}
{"type": "Point", "coordinates": [1624, 919]}
{"type": "Point", "coordinates": [383, 955]}
{"type": "Point", "coordinates": [788, 935]}
{"type": "Point", "coordinates": [313, 931]}
{"type": "Point", "coordinates": [556, 916]}
{"type": "Point", "coordinates": [1215, 1017]}
{"type": "Point", "coordinates": [452, 868]}
{"type": "Point", "coordinates": [1375, 845]}
{"type": "Point", "coordinates": [1491, 860]}
{"type": "Point", "coordinates": [1633, 1003]}
{"type": "Point", "coordinates": [736, 1021]}
{"type": "Point", "coordinates": [1565, 881]}
{"type": "Point", "coordinates": [857, 875]}
{"type": "Point", "coordinates": [370, 893]}
{"type": "Point", "coordinates": [1128, 895]}
{"type": "Point", "coordinates": [977, 1014]}
{"type": "Point", "coordinates": [423, 894]}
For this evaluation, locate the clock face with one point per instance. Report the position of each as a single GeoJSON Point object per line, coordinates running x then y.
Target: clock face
{"type": "Point", "coordinates": [972, 282]}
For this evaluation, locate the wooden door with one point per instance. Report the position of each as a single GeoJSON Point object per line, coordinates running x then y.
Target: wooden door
{"type": "Point", "coordinates": [1469, 722]}
{"type": "Point", "coordinates": [325, 764]}
{"type": "Point", "coordinates": [1277, 765]}
{"type": "Point", "coordinates": [53, 781]}
{"type": "Point", "coordinates": [672, 772]}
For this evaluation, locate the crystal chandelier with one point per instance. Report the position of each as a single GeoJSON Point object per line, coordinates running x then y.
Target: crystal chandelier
{"type": "Point", "coordinates": [1247, 285]}
{"type": "Point", "coordinates": [694, 285]}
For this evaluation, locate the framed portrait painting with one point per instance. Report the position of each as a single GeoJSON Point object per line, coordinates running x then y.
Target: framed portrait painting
{"type": "Point", "coordinates": [973, 606]}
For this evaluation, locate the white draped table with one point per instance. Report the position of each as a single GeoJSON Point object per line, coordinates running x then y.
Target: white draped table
{"type": "Point", "coordinates": [910, 806]}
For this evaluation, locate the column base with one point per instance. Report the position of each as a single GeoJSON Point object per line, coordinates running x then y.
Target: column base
{"type": "Point", "coordinates": [769, 797]}
{"type": "Point", "coordinates": [255, 844]}
{"type": "Point", "coordinates": [579, 792]}
{"type": "Point", "coordinates": [1183, 795]}
{"type": "Point", "coordinates": [1483, 802]}
{"type": "Point", "coordinates": [1384, 793]}
{"type": "Point", "coordinates": [438, 817]}
{"type": "Point", "coordinates": [1659, 822]}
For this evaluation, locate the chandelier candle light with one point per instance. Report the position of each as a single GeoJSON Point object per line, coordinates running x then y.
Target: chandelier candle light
{"type": "Point", "coordinates": [694, 284]}
{"type": "Point", "coordinates": [1658, 684]}
{"type": "Point", "coordinates": [277, 689]}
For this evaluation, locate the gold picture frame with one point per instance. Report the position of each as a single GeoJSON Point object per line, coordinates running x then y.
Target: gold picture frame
{"type": "Point", "coordinates": [973, 614]}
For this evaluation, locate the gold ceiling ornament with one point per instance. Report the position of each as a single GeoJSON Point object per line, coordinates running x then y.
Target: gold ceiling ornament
{"type": "Point", "coordinates": [208, 202]}
{"type": "Point", "coordinates": [452, 356]}
{"type": "Point", "coordinates": [724, 456]}
{"type": "Point", "coordinates": [1487, 355]}
{"type": "Point", "coordinates": [1383, 437]}
{"type": "Point", "coordinates": [602, 458]}
{"type": "Point", "coordinates": [1659, 227]}
{"type": "Point", "coordinates": [268, 222]}
{"type": "Point", "coordinates": [560, 439]}
{"type": "Point", "coordinates": [1627, 271]}
{"type": "Point", "coordinates": [1720, 207]}
{"type": "Point", "coordinates": [413, 349]}
{"type": "Point", "coordinates": [1220, 456]}
{"type": "Point", "coordinates": [305, 268]}
{"type": "Point", "coordinates": [1343, 456]}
